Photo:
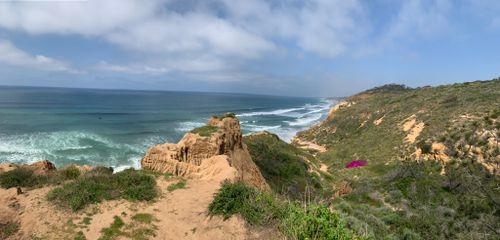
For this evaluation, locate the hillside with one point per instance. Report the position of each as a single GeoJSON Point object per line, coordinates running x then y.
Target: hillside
{"type": "Point", "coordinates": [432, 156]}
{"type": "Point", "coordinates": [392, 123]}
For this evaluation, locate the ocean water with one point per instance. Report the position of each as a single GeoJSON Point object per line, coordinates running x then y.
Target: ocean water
{"type": "Point", "coordinates": [116, 127]}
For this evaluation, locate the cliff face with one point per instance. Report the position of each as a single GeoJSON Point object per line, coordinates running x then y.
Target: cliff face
{"type": "Point", "coordinates": [186, 157]}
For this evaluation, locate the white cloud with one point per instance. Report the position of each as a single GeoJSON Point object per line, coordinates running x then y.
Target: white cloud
{"type": "Point", "coordinates": [420, 18]}
{"type": "Point", "coordinates": [324, 27]}
{"type": "Point", "coordinates": [13, 56]}
{"type": "Point", "coordinates": [247, 29]}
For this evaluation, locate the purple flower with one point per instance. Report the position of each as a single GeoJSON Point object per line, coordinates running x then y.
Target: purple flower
{"type": "Point", "coordinates": [356, 163]}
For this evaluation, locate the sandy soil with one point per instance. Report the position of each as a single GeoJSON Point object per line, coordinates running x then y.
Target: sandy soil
{"type": "Point", "coordinates": [181, 214]}
{"type": "Point", "coordinates": [309, 145]}
{"type": "Point", "coordinates": [413, 128]}
{"type": "Point", "coordinates": [378, 121]}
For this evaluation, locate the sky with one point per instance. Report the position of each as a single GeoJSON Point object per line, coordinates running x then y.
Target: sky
{"type": "Point", "coordinates": [279, 47]}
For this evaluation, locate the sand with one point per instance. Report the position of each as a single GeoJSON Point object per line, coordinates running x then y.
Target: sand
{"type": "Point", "coordinates": [181, 214]}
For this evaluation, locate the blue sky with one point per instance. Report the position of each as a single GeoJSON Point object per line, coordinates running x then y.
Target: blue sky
{"type": "Point", "coordinates": [301, 48]}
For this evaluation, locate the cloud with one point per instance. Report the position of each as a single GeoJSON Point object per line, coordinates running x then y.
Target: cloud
{"type": "Point", "coordinates": [245, 29]}
{"type": "Point", "coordinates": [13, 56]}
{"type": "Point", "coordinates": [323, 27]}
{"type": "Point", "coordinates": [420, 18]}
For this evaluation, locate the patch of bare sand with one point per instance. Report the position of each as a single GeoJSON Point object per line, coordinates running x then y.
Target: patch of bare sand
{"type": "Point", "coordinates": [413, 128]}
{"type": "Point", "coordinates": [378, 121]}
{"type": "Point", "coordinates": [308, 145]}
{"type": "Point", "coordinates": [35, 216]}
{"type": "Point", "coordinates": [5, 167]}
{"type": "Point", "coordinates": [323, 167]}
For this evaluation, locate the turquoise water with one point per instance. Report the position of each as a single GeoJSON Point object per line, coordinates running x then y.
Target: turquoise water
{"type": "Point", "coordinates": [116, 127]}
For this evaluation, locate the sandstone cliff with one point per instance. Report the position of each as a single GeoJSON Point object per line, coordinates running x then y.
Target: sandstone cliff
{"type": "Point", "coordinates": [186, 158]}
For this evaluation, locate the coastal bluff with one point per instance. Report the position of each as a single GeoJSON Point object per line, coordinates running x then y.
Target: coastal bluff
{"type": "Point", "coordinates": [221, 137]}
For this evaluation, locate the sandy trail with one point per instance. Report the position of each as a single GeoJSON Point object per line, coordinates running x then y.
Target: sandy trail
{"type": "Point", "coordinates": [308, 145]}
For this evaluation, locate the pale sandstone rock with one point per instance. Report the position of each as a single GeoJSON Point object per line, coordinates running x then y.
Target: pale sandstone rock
{"type": "Point", "coordinates": [186, 157]}
{"type": "Point", "coordinates": [42, 167]}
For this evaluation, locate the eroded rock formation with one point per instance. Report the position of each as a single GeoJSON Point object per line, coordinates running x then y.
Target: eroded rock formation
{"type": "Point", "coordinates": [186, 157]}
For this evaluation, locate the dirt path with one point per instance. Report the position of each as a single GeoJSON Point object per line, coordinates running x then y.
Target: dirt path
{"type": "Point", "coordinates": [180, 214]}
{"type": "Point", "coordinates": [308, 145]}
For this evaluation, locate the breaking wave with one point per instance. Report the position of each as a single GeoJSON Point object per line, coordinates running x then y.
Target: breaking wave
{"type": "Point", "coordinates": [68, 147]}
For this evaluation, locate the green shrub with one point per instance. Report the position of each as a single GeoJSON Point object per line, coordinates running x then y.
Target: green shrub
{"type": "Point", "coordinates": [70, 172]}
{"type": "Point", "coordinates": [205, 131]}
{"type": "Point", "coordinates": [135, 185]}
{"type": "Point", "coordinates": [93, 188]}
{"type": "Point", "coordinates": [230, 199]}
{"type": "Point", "coordinates": [7, 230]}
{"type": "Point", "coordinates": [282, 165]}
{"type": "Point", "coordinates": [293, 220]}
{"type": "Point", "coordinates": [19, 177]}
{"type": "Point", "coordinates": [312, 222]}
{"type": "Point", "coordinates": [113, 231]}
{"type": "Point", "coordinates": [167, 176]}
{"type": "Point", "coordinates": [80, 236]}
{"type": "Point", "coordinates": [426, 148]}
{"type": "Point", "coordinates": [178, 185]}
{"type": "Point", "coordinates": [143, 218]}
{"type": "Point", "coordinates": [100, 170]}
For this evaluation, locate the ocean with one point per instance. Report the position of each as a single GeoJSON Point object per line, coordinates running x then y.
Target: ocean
{"type": "Point", "coordinates": [116, 127]}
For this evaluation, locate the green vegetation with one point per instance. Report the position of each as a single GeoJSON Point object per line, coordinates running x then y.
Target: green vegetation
{"type": "Point", "coordinates": [167, 176]}
{"type": "Point", "coordinates": [86, 220]}
{"type": "Point", "coordinates": [7, 230]}
{"type": "Point", "coordinates": [283, 165]}
{"type": "Point", "coordinates": [143, 217]}
{"type": "Point", "coordinates": [205, 131]}
{"type": "Point", "coordinates": [399, 195]}
{"type": "Point", "coordinates": [101, 185]}
{"type": "Point", "coordinates": [80, 236]}
{"type": "Point", "coordinates": [24, 177]}
{"type": "Point", "coordinates": [178, 185]}
{"type": "Point", "coordinates": [449, 112]}
{"type": "Point", "coordinates": [293, 220]}
{"type": "Point", "coordinates": [70, 173]}
{"type": "Point", "coordinates": [141, 228]}
{"type": "Point", "coordinates": [414, 200]}
{"type": "Point", "coordinates": [19, 177]}
{"type": "Point", "coordinates": [113, 231]}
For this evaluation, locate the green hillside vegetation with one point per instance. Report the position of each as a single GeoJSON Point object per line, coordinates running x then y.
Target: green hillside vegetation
{"type": "Point", "coordinates": [293, 219]}
{"type": "Point", "coordinates": [450, 113]}
{"type": "Point", "coordinates": [287, 169]}
{"type": "Point", "coordinates": [205, 131]}
{"type": "Point", "coordinates": [437, 194]}
{"type": "Point", "coordinates": [409, 189]}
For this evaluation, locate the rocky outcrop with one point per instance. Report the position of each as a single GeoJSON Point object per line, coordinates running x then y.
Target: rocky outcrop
{"type": "Point", "coordinates": [42, 167]}
{"type": "Point", "coordinates": [186, 157]}
{"type": "Point", "coordinates": [334, 109]}
{"type": "Point", "coordinates": [39, 168]}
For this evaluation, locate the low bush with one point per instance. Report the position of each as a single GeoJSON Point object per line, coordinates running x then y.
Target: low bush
{"type": "Point", "coordinates": [93, 188]}
{"type": "Point", "coordinates": [313, 221]}
{"type": "Point", "coordinates": [19, 177]}
{"type": "Point", "coordinates": [143, 218]}
{"type": "Point", "coordinates": [179, 185]}
{"type": "Point", "coordinates": [283, 165]}
{"type": "Point", "coordinates": [113, 231]}
{"type": "Point", "coordinates": [205, 131]}
{"type": "Point", "coordinates": [7, 230]}
{"type": "Point", "coordinates": [70, 172]}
